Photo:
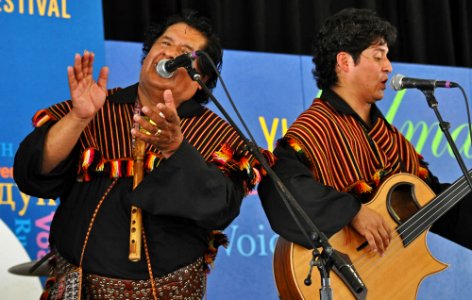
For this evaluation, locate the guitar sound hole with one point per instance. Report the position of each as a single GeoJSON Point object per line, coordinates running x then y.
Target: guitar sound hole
{"type": "Point", "coordinates": [401, 202]}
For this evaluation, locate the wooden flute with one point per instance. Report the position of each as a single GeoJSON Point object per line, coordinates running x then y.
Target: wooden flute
{"type": "Point", "coordinates": [136, 224]}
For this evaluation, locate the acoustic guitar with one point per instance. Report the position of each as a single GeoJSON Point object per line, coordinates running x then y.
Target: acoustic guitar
{"type": "Point", "coordinates": [410, 207]}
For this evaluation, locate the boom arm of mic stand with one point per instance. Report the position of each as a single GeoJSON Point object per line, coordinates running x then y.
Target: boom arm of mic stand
{"type": "Point", "coordinates": [317, 237]}
{"type": "Point", "coordinates": [433, 103]}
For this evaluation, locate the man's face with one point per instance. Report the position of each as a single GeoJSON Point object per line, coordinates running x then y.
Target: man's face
{"type": "Point", "coordinates": [370, 74]}
{"type": "Point", "coordinates": [178, 39]}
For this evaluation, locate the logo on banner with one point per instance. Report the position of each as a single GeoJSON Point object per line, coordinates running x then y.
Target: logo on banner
{"type": "Point", "coordinates": [42, 8]}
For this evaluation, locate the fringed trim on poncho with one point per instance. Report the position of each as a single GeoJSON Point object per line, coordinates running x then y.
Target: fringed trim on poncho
{"type": "Point", "coordinates": [41, 117]}
{"type": "Point", "coordinates": [423, 171]}
{"type": "Point", "coordinates": [216, 239]}
{"type": "Point", "coordinates": [93, 163]}
{"type": "Point", "coordinates": [238, 167]}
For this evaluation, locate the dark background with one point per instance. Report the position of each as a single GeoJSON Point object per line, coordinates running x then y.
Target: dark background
{"type": "Point", "coordinates": [436, 32]}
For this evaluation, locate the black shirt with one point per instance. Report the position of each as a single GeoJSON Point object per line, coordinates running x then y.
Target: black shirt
{"type": "Point", "coordinates": [183, 199]}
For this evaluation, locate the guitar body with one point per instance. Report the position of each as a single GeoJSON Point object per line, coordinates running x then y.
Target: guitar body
{"type": "Point", "coordinates": [396, 275]}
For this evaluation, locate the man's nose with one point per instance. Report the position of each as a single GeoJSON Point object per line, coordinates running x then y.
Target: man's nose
{"type": "Point", "coordinates": [388, 66]}
{"type": "Point", "coordinates": [172, 52]}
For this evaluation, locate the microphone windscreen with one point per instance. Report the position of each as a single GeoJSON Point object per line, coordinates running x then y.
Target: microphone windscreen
{"type": "Point", "coordinates": [396, 82]}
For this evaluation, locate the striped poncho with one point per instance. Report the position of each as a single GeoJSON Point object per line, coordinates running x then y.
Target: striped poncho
{"type": "Point", "coordinates": [106, 144]}
{"type": "Point", "coordinates": [344, 153]}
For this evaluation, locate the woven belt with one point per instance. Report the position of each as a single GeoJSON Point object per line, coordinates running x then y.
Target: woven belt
{"type": "Point", "coordinates": [188, 282]}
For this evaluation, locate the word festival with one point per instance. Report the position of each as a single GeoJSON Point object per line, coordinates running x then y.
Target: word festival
{"type": "Point", "coordinates": [42, 8]}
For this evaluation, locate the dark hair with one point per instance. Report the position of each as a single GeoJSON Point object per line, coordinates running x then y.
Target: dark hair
{"type": "Point", "coordinates": [350, 30]}
{"type": "Point", "coordinates": [212, 47]}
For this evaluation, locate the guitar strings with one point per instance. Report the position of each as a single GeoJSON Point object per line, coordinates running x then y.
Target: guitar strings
{"type": "Point", "coordinates": [433, 205]}
{"type": "Point", "coordinates": [397, 241]}
{"type": "Point", "coordinates": [437, 206]}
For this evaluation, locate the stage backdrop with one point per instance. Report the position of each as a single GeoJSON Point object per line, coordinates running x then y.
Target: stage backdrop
{"type": "Point", "coordinates": [270, 90]}
{"type": "Point", "coordinates": [39, 40]}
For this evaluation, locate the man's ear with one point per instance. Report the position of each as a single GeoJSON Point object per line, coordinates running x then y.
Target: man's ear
{"type": "Point", "coordinates": [344, 61]}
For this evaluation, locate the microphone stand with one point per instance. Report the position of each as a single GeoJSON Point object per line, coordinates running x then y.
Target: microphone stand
{"type": "Point", "coordinates": [433, 103]}
{"type": "Point", "coordinates": [329, 257]}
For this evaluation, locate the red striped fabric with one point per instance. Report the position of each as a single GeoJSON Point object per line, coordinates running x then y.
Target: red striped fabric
{"type": "Point", "coordinates": [109, 141]}
{"type": "Point", "coordinates": [339, 151]}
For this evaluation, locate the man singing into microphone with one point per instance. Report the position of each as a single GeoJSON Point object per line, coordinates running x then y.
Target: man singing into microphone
{"type": "Point", "coordinates": [338, 151]}
{"type": "Point", "coordinates": [196, 172]}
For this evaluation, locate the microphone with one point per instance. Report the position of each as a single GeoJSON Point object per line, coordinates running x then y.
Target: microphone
{"type": "Point", "coordinates": [166, 67]}
{"type": "Point", "coordinates": [400, 82]}
{"type": "Point", "coordinates": [346, 271]}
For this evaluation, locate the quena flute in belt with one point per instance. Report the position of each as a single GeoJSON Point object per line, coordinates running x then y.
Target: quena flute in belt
{"type": "Point", "coordinates": [136, 224]}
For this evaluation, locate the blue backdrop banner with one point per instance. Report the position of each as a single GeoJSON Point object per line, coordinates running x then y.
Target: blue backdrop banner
{"type": "Point", "coordinates": [39, 40]}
